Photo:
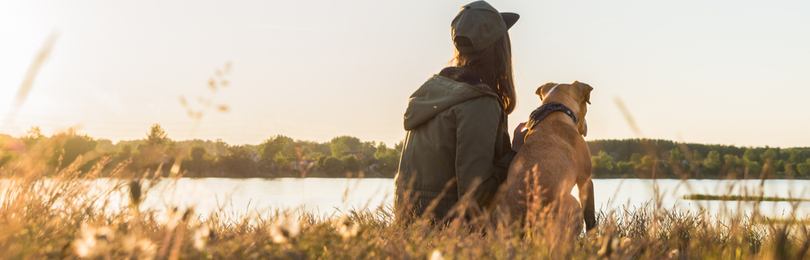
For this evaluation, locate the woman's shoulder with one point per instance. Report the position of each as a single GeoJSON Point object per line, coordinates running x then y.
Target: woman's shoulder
{"type": "Point", "coordinates": [461, 74]}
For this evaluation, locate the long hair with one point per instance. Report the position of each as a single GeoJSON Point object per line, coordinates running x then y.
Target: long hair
{"type": "Point", "coordinates": [494, 66]}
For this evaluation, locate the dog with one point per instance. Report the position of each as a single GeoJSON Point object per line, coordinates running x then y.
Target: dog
{"type": "Point", "coordinates": [554, 158]}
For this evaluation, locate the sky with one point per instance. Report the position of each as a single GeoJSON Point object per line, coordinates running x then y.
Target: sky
{"type": "Point", "coordinates": [715, 72]}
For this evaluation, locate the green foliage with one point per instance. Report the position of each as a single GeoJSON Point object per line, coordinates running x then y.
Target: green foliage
{"type": "Point", "coordinates": [32, 136]}
{"type": "Point", "coordinates": [156, 135]}
{"type": "Point", "coordinates": [768, 155]}
{"type": "Point", "coordinates": [351, 162]}
{"type": "Point", "coordinates": [698, 156]}
{"type": "Point", "coordinates": [170, 149]}
{"type": "Point", "coordinates": [677, 162]}
{"type": "Point", "coordinates": [333, 166]}
{"type": "Point", "coordinates": [388, 160]}
{"type": "Point", "coordinates": [734, 165]}
{"type": "Point", "coordinates": [199, 161]}
{"type": "Point", "coordinates": [635, 158]}
{"type": "Point", "coordinates": [69, 146]}
{"type": "Point", "coordinates": [105, 145]}
{"type": "Point", "coordinates": [648, 162]}
{"type": "Point", "coordinates": [399, 145]}
{"type": "Point", "coordinates": [274, 148]}
{"type": "Point", "coordinates": [753, 167]}
{"type": "Point", "coordinates": [750, 155]}
{"type": "Point", "coordinates": [602, 164]}
{"type": "Point", "coordinates": [796, 156]}
{"type": "Point", "coordinates": [125, 152]}
{"type": "Point", "coordinates": [712, 161]}
{"type": "Point", "coordinates": [238, 162]}
{"type": "Point", "coordinates": [803, 169]}
{"type": "Point", "coordinates": [282, 162]}
{"type": "Point", "coordinates": [631, 157]}
{"type": "Point", "coordinates": [321, 161]}
{"type": "Point", "coordinates": [625, 167]}
{"type": "Point", "coordinates": [352, 143]}
{"type": "Point", "coordinates": [338, 148]}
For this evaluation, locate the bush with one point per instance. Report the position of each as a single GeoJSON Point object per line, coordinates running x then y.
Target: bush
{"type": "Point", "coordinates": [333, 166]}
{"type": "Point", "coordinates": [803, 169]}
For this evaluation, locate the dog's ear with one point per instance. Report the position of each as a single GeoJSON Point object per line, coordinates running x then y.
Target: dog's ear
{"type": "Point", "coordinates": [543, 90]}
{"type": "Point", "coordinates": [585, 89]}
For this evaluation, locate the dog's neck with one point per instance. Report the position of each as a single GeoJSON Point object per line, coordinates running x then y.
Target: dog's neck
{"type": "Point", "coordinates": [547, 108]}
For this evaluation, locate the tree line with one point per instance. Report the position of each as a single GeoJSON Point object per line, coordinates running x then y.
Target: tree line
{"type": "Point", "coordinates": [652, 158]}
{"type": "Point", "coordinates": [278, 156]}
{"type": "Point", "coordinates": [282, 156]}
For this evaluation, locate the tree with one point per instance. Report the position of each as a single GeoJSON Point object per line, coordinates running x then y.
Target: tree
{"type": "Point", "coordinates": [272, 150]}
{"type": "Point", "coordinates": [321, 161]}
{"type": "Point", "coordinates": [238, 162]}
{"type": "Point", "coordinates": [399, 145]}
{"type": "Point", "coordinates": [796, 156]}
{"type": "Point", "coordinates": [352, 143]}
{"type": "Point", "coordinates": [750, 155]}
{"type": "Point", "coordinates": [73, 146]}
{"type": "Point", "coordinates": [338, 148]}
{"type": "Point", "coordinates": [697, 156]}
{"type": "Point", "coordinates": [33, 136]}
{"type": "Point", "coordinates": [635, 158]}
{"type": "Point", "coordinates": [768, 155]}
{"type": "Point", "coordinates": [602, 163]}
{"type": "Point", "coordinates": [734, 166]}
{"type": "Point", "coordinates": [351, 162]}
{"type": "Point", "coordinates": [368, 148]}
{"type": "Point", "coordinates": [388, 159]}
{"type": "Point", "coordinates": [769, 162]}
{"type": "Point", "coordinates": [333, 166]}
{"type": "Point", "coordinates": [648, 162]}
{"type": "Point", "coordinates": [753, 167]}
{"type": "Point", "coordinates": [676, 161]}
{"type": "Point", "coordinates": [156, 135]}
{"type": "Point", "coordinates": [712, 161]}
{"type": "Point", "coordinates": [282, 162]}
{"type": "Point", "coordinates": [625, 167]}
{"type": "Point", "coordinates": [170, 149]}
{"type": "Point", "coordinates": [125, 152]}
{"type": "Point", "coordinates": [803, 169]}
{"type": "Point", "coordinates": [197, 153]}
{"type": "Point", "coordinates": [199, 161]}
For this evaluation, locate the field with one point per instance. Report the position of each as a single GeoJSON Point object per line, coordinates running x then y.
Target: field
{"type": "Point", "coordinates": [49, 214]}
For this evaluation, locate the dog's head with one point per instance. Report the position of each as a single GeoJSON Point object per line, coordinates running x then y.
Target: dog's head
{"type": "Point", "coordinates": [576, 96]}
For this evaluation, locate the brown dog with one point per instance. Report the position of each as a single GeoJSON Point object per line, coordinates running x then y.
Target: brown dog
{"type": "Point", "coordinates": [553, 158]}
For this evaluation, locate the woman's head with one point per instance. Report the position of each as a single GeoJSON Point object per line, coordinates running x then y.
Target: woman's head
{"type": "Point", "coordinates": [494, 66]}
{"type": "Point", "coordinates": [482, 43]}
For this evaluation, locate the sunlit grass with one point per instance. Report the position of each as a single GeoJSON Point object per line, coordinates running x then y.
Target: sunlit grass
{"type": "Point", "coordinates": [55, 215]}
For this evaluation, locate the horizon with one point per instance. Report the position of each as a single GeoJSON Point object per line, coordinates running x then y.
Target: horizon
{"type": "Point", "coordinates": [711, 73]}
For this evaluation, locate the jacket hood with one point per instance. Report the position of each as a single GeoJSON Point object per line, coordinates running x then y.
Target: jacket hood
{"type": "Point", "coordinates": [442, 91]}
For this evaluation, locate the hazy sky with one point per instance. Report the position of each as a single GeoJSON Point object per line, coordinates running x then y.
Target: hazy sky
{"type": "Point", "coordinates": [727, 72]}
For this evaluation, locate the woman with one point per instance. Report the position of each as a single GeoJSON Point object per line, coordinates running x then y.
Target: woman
{"type": "Point", "coordinates": [457, 142]}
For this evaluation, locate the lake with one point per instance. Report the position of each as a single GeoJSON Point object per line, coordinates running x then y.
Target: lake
{"type": "Point", "coordinates": [326, 195]}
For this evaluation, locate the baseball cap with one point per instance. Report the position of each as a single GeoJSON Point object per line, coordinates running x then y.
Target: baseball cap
{"type": "Point", "coordinates": [482, 24]}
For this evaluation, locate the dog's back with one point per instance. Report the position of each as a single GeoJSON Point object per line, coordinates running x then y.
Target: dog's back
{"type": "Point", "coordinates": [553, 159]}
{"type": "Point", "coordinates": [545, 167]}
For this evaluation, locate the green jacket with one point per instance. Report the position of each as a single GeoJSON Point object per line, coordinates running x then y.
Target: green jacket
{"type": "Point", "coordinates": [456, 137]}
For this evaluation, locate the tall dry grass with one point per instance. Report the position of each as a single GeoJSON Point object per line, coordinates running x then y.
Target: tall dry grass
{"type": "Point", "coordinates": [59, 214]}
